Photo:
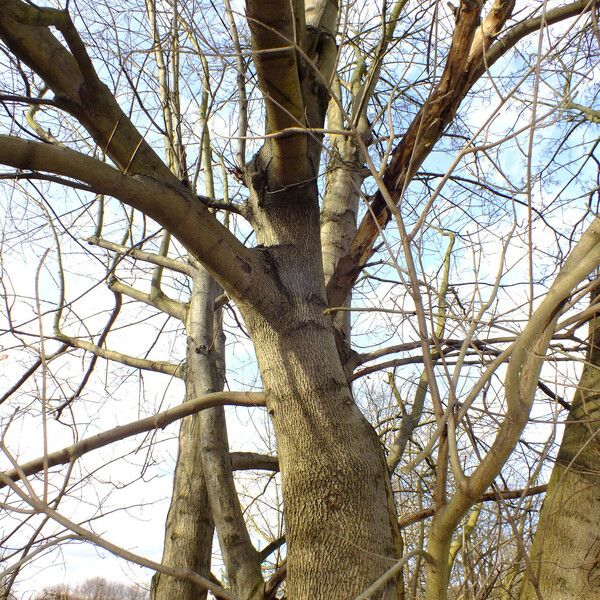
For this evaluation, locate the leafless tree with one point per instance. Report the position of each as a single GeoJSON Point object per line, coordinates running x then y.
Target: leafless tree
{"type": "Point", "coordinates": [405, 189]}
{"type": "Point", "coordinates": [96, 588]}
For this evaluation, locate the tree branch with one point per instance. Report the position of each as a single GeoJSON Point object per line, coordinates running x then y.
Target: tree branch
{"type": "Point", "coordinates": [236, 267]}
{"type": "Point", "coordinates": [524, 28]}
{"type": "Point", "coordinates": [145, 364]}
{"type": "Point", "coordinates": [156, 298]}
{"type": "Point", "coordinates": [252, 461]}
{"type": "Point", "coordinates": [278, 29]}
{"type": "Point", "coordinates": [439, 110]}
{"type": "Point", "coordinates": [179, 266]}
{"type": "Point", "coordinates": [522, 376]}
{"type": "Point", "coordinates": [41, 507]}
{"type": "Point", "coordinates": [425, 513]}
{"type": "Point", "coordinates": [418, 141]}
{"type": "Point", "coordinates": [158, 421]}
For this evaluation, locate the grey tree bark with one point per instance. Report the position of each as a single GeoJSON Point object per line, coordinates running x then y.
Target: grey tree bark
{"type": "Point", "coordinates": [189, 529]}
{"type": "Point", "coordinates": [205, 332]}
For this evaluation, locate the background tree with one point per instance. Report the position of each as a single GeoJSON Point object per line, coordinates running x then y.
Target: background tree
{"type": "Point", "coordinates": [96, 588]}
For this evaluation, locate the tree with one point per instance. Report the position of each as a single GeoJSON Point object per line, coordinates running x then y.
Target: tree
{"type": "Point", "coordinates": [321, 72]}
{"type": "Point", "coordinates": [96, 588]}
{"type": "Point", "coordinates": [565, 550]}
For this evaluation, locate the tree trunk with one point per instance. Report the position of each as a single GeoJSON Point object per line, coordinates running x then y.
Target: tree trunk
{"type": "Point", "coordinates": [565, 557]}
{"type": "Point", "coordinates": [345, 176]}
{"type": "Point", "coordinates": [204, 492]}
{"type": "Point", "coordinates": [205, 331]}
{"type": "Point", "coordinates": [189, 528]}
{"type": "Point", "coordinates": [340, 520]}
{"type": "Point", "coordinates": [337, 501]}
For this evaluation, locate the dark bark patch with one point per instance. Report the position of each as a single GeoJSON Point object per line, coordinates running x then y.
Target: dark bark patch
{"type": "Point", "coordinates": [244, 265]}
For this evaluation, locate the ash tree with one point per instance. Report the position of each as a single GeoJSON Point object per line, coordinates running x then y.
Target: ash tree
{"type": "Point", "coordinates": [363, 144]}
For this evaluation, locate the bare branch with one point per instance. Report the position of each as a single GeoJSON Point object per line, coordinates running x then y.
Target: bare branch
{"type": "Point", "coordinates": [158, 421]}
{"type": "Point", "coordinates": [175, 208]}
{"type": "Point", "coordinates": [179, 266]}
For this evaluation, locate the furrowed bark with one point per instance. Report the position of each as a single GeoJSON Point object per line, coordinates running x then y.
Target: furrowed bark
{"type": "Point", "coordinates": [565, 557]}
{"type": "Point", "coordinates": [337, 500]}
{"type": "Point", "coordinates": [341, 528]}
